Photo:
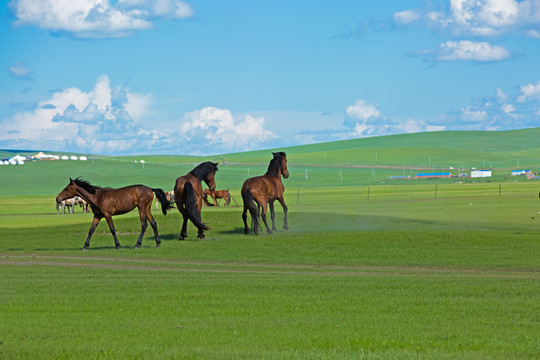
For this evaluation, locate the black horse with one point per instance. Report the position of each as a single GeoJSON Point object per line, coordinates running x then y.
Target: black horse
{"type": "Point", "coordinates": [188, 194]}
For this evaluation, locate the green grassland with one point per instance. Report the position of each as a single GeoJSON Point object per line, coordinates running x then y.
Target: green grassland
{"type": "Point", "coordinates": [370, 268]}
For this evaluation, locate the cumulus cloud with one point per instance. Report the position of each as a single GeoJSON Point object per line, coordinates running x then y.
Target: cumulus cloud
{"type": "Point", "coordinates": [466, 50]}
{"type": "Point", "coordinates": [96, 18]}
{"type": "Point", "coordinates": [362, 111]}
{"type": "Point", "coordinates": [20, 70]}
{"type": "Point", "coordinates": [529, 91]}
{"type": "Point", "coordinates": [407, 16]}
{"type": "Point", "coordinates": [500, 111]}
{"type": "Point", "coordinates": [218, 130]}
{"type": "Point", "coordinates": [469, 50]}
{"type": "Point", "coordinates": [97, 121]}
{"type": "Point", "coordinates": [364, 119]}
{"type": "Point", "coordinates": [485, 18]}
{"type": "Point", "coordinates": [478, 19]}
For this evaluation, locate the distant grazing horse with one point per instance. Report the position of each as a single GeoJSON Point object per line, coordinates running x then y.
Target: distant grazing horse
{"type": "Point", "coordinates": [83, 204]}
{"type": "Point", "coordinates": [107, 202]}
{"type": "Point", "coordinates": [67, 203]}
{"type": "Point", "coordinates": [217, 194]}
{"type": "Point", "coordinates": [265, 190]}
{"type": "Point", "coordinates": [188, 194]}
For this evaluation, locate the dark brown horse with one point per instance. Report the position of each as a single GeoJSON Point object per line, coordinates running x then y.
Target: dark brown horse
{"type": "Point", "coordinates": [188, 194]}
{"type": "Point", "coordinates": [265, 190]}
{"type": "Point", "coordinates": [107, 202]}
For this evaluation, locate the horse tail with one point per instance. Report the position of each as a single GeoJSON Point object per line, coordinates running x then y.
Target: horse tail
{"type": "Point", "coordinates": [249, 202]}
{"type": "Point", "coordinates": [190, 204]}
{"type": "Point", "coordinates": [162, 197]}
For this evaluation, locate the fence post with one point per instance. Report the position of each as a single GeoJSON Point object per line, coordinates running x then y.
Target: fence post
{"type": "Point", "coordinates": [500, 190]}
{"type": "Point", "coordinates": [435, 191]}
{"type": "Point", "coordinates": [297, 196]}
{"type": "Point", "coordinates": [368, 192]}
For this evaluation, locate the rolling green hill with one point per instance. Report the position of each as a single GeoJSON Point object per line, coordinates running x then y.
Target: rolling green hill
{"type": "Point", "coordinates": [467, 149]}
{"type": "Point", "coordinates": [495, 149]}
{"type": "Point", "coordinates": [367, 161]}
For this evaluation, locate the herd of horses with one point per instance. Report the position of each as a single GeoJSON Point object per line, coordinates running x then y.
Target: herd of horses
{"type": "Point", "coordinates": [258, 193]}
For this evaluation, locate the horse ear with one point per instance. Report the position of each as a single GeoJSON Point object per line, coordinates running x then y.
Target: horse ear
{"type": "Point", "coordinates": [70, 180]}
{"type": "Point", "coordinates": [273, 153]}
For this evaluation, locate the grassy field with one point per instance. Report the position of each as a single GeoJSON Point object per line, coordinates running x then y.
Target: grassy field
{"type": "Point", "coordinates": [369, 269]}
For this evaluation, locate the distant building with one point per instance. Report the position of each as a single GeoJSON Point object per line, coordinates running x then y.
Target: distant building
{"type": "Point", "coordinates": [42, 156]}
{"type": "Point", "coordinates": [443, 175]}
{"type": "Point", "coordinates": [480, 173]}
{"type": "Point", "coordinates": [520, 172]}
{"type": "Point", "coordinates": [399, 177]}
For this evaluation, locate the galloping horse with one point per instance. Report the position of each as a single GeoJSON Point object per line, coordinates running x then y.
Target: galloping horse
{"type": "Point", "coordinates": [265, 190]}
{"type": "Point", "coordinates": [217, 194]}
{"type": "Point", "coordinates": [188, 195]}
{"type": "Point", "coordinates": [107, 202]}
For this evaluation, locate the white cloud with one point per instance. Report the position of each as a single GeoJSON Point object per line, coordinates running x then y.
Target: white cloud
{"type": "Point", "coordinates": [20, 70]}
{"type": "Point", "coordinates": [469, 50]}
{"type": "Point", "coordinates": [487, 18]}
{"type": "Point", "coordinates": [96, 18]}
{"type": "Point", "coordinates": [137, 105]}
{"type": "Point", "coordinates": [471, 115]}
{"type": "Point", "coordinates": [361, 110]}
{"type": "Point", "coordinates": [96, 121]}
{"type": "Point", "coordinates": [501, 95]}
{"type": "Point", "coordinates": [407, 16]}
{"type": "Point", "coordinates": [529, 91]}
{"type": "Point", "coordinates": [218, 129]}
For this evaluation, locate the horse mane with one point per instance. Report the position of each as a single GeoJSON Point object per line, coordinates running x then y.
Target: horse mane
{"type": "Point", "coordinates": [86, 185]}
{"type": "Point", "coordinates": [275, 164]}
{"type": "Point", "coordinates": [204, 169]}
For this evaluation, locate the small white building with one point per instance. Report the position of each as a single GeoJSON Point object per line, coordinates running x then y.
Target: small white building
{"type": "Point", "coordinates": [480, 173]}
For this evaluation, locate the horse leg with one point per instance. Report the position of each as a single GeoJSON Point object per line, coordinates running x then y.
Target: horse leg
{"type": "Point", "coordinates": [95, 223]}
{"type": "Point", "coordinates": [285, 209]}
{"type": "Point", "coordinates": [113, 231]}
{"type": "Point", "coordinates": [244, 218]}
{"type": "Point", "coordinates": [144, 224]}
{"type": "Point", "coordinates": [272, 215]}
{"type": "Point", "coordinates": [200, 234]}
{"type": "Point", "coordinates": [263, 216]}
{"type": "Point", "coordinates": [183, 233]}
{"type": "Point", "coordinates": [153, 223]}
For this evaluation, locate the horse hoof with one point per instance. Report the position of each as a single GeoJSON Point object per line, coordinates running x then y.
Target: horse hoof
{"type": "Point", "coordinates": [136, 247]}
{"type": "Point", "coordinates": [83, 249]}
{"type": "Point", "coordinates": [157, 246]}
{"type": "Point", "coordinates": [286, 227]}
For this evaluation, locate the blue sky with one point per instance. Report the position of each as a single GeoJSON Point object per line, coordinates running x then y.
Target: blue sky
{"type": "Point", "coordinates": [213, 77]}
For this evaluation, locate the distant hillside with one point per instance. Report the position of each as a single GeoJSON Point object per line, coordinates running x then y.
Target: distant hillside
{"type": "Point", "coordinates": [496, 149]}
{"type": "Point", "coordinates": [458, 149]}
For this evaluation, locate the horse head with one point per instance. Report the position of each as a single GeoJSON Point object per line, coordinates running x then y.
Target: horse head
{"type": "Point", "coordinates": [69, 191]}
{"type": "Point", "coordinates": [209, 177]}
{"type": "Point", "coordinates": [283, 157]}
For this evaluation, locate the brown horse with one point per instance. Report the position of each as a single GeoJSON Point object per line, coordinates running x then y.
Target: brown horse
{"type": "Point", "coordinates": [265, 190]}
{"type": "Point", "coordinates": [216, 194]}
{"type": "Point", "coordinates": [107, 202]}
{"type": "Point", "coordinates": [188, 195]}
